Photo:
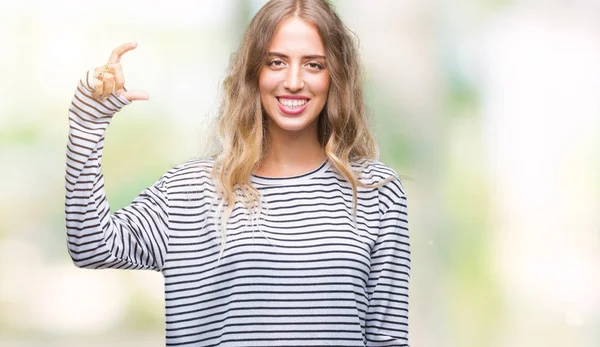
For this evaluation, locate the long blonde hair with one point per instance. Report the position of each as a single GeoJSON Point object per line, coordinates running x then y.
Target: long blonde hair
{"type": "Point", "coordinates": [242, 126]}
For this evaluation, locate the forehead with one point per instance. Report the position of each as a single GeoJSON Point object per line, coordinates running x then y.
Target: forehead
{"type": "Point", "coordinates": [297, 36]}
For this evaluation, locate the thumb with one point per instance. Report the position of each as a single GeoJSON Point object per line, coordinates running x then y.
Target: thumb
{"type": "Point", "coordinates": [133, 95]}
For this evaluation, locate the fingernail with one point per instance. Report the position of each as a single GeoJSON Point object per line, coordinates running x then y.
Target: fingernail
{"type": "Point", "coordinates": [135, 43]}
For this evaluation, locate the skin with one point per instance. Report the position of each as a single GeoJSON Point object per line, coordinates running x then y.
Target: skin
{"type": "Point", "coordinates": [113, 79]}
{"type": "Point", "coordinates": [296, 66]}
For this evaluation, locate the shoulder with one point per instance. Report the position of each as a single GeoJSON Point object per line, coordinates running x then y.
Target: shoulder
{"type": "Point", "coordinates": [388, 181]}
{"type": "Point", "coordinates": [375, 172]}
{"type": "Point", "coordinates": [193, 171]}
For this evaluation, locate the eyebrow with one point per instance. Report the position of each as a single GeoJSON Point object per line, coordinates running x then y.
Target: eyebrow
{"type": "Point", "coordinates": [281, 55]}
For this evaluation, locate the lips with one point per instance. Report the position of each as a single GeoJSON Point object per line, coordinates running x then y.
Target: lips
{"type": "Point", "coordinates": [290, 105]}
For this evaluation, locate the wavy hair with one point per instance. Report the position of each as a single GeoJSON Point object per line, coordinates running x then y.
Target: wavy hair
{"type": "Point", "coordinates": [242, 125]}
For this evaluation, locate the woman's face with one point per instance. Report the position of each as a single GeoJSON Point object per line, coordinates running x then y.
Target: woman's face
{"type": "Point", "coordinates": [294, 82]}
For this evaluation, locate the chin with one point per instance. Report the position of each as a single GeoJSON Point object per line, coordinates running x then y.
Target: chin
{"type": "Point", "coordinates": [302, 122]}
{"type": "Point", "coordinates": [292, 125]}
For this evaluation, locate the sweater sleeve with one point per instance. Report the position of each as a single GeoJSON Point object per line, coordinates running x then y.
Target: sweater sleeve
{"type": "Point", "coordinates": [134, 237]}
{"type": "Point", "coordinates": [387, 288]}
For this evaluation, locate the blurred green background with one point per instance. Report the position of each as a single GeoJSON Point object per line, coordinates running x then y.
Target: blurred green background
{"type": "Point", "coordinates": [492, 108]}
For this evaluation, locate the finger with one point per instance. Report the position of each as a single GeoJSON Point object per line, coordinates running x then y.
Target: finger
{"type": "Point", "coordinates": [117, 71]}
{"type": "Point", "coordinates": [117, 53]}
{"type": "Point", "coordinates": [98, 70]}
{"type": "Point", "coordinates": [98, 88]}
{"type": "Point", "coordinates": [98, 84]}
{"type": "Point", "coordinates": [109, 84]}
{"type": "Point", "coordinates": [132, 95]}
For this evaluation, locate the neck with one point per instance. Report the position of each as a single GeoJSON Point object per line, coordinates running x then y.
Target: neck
{"type": "Point", "coordinates": [291, 153]}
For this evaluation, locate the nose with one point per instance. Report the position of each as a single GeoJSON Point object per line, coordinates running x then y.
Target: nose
{"type": "Point", "coordinates": [294, 80]}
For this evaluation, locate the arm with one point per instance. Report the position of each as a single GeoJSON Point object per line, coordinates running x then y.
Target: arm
{"type": "Point", "coordinates": [387, 315]}
{"type": "Point", "coordinates": [134, 237]}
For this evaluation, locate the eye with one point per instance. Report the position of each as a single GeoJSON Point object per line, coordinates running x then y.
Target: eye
{"type": "Point", "coordinates": [315, 66]}
{"type": "Point", "coordinates": [276, 63]}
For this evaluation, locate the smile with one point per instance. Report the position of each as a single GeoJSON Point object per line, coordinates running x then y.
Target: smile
{"type": "Point", "coordinates": [292, 106]}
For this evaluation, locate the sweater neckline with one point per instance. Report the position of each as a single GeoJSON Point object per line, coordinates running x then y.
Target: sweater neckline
{"type": "Point", "coordinates": [287, 180]}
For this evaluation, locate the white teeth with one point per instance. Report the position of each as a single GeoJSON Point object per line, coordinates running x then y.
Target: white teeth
{"type": "Point", "coordinates": [293, 102]}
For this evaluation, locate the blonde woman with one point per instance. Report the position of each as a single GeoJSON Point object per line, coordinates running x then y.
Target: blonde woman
{"type": "Point", "coordinates": [292, 234]}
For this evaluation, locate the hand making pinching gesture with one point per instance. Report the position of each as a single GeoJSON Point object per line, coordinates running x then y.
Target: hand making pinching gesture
{"type": "Point", "coordinates": [109, 78]}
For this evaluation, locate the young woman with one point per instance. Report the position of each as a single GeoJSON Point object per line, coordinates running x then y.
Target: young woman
{"type": "Point", "coordinates": [293, 234]}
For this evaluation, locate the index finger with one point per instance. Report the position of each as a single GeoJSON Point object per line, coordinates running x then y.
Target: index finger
{"type": "Point", "coordinates": [115, 56]}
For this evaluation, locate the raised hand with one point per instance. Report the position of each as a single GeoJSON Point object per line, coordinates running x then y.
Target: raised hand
{"type": "Point", "coordinates": [109, 78]}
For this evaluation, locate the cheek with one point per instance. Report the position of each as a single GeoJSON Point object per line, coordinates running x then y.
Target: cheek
{"type": "Point", "coordinates": [320, 85]}
{"type": "Point", "coordinates": [267, 82]}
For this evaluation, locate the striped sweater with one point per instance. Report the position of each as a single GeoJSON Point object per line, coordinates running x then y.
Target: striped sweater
{"type": "Point", "coordinates": [302, 275]}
